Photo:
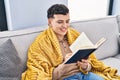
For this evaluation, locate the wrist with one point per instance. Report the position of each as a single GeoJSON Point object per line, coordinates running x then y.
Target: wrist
{"type": "Point", "coordinates": [88, 67]}
{"type": "Point", "coordinates": [56, 74]}
{"type": "Point", "coordinates": [83, 71]}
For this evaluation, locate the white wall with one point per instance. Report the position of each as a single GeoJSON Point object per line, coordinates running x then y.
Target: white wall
{"type": "Point", "coordinates": [87, 9]}
{"type": "Point", "coordinates": [116, 7]}
{"type": "Point", "coordinates": [28, 13]}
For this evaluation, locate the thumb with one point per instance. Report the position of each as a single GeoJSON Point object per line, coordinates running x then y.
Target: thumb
{"type": "Point", "coordinates": [68, 55]}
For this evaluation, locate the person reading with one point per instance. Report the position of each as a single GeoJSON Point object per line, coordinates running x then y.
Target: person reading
{"type": "Point", "coordinates": [50, 49]}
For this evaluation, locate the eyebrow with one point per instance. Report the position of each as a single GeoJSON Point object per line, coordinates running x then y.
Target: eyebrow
{"type": "Point", "coordinates": [62, 20]}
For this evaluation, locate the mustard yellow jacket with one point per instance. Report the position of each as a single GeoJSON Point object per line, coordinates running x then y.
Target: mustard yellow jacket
{"type": "Point", "coordinates": [45, 54]}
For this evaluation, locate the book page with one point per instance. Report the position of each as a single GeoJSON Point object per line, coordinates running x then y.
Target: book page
{"type": "Point", "coordinates": [100, 42]}
{"type": "Point", "coordinates": [81, 42]}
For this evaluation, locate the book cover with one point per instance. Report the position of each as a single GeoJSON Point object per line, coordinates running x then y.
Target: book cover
{"type": "Point", "coordinates": [82, 48]}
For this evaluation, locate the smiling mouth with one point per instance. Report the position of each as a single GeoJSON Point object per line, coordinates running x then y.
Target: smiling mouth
{"type": "Point", "coordinates": [63, 29]}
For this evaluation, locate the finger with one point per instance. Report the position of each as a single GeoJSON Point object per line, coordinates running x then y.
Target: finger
{"type": "Point", "coordinates": [71, 64]}
{"type": "Point", "coordinates": [78, 63]}
{"type": "Point", "coordinates": [71, 68]}
{"type": "Point", "coordinates": [72, 72]}
{"type": "Point", "coordinates": [82, 65]}
{"type": "Point", "coordinates": [67, 56]}
{"type": "Point", "coordinates": [84, 61]}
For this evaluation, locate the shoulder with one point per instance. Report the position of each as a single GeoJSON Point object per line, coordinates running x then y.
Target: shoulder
{"type": "Point", "coordinates": [41, 38]}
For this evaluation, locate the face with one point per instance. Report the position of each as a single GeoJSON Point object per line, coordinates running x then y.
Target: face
{"type": "Point", "coordinates": [59, 24]}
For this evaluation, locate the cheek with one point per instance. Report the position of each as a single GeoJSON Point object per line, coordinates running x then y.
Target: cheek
{"type": "Point", "coordinates": [56, 29]}
{"type": "Point", "coordinates": [68, 25]}
{"type": "Point", "coordinates": [57, 25]}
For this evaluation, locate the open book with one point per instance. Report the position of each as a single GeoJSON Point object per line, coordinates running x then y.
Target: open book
{"type": "Point", "coordinates": [82, 48]}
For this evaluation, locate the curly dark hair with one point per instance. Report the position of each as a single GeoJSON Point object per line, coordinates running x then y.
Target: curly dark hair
{"type": "Point", "coordinates": [57, 9]}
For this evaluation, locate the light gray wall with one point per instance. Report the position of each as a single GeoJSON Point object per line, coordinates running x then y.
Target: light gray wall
{"type": "Point", "coordinates": [28, 13]}
{"type": "Point", "coordinates": [116, 7]}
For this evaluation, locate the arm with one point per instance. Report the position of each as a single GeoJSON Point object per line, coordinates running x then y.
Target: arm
{"type": "Point", "coordinates": [63, 70]}
{"type": "Point", "coordinates": [84, 66]}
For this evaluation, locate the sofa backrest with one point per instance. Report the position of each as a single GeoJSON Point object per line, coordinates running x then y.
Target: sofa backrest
{"type": "Point", "coordinates": [97, 28]}
{"type": "Point", "coordinates": [21, 40]}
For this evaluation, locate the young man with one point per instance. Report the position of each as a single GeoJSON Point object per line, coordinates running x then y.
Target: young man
{"type": "Point", "coordinates": [51, 48]}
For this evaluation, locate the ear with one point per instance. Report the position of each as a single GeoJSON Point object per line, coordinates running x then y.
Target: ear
{"type": "Point", "coordinates": [49, 21]}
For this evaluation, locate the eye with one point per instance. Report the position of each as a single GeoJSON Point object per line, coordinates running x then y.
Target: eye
{"type": "Point", "coordinates": [67, 21]}
{"type": "Point", "coordinates": [59, 22]}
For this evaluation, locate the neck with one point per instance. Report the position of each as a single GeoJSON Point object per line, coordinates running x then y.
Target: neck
{"type": "Point", "coordinates": [61, 38]}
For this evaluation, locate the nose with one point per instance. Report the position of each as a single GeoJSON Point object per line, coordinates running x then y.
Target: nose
{"type": "Point", "coordinates": [65, 25]}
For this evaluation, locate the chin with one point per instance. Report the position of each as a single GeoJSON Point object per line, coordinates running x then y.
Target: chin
{"type": "Point", "coordinates": [64, 34]}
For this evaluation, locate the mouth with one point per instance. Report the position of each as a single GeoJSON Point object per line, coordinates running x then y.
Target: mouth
{"type": "Point", "coordinates": [63, 29]}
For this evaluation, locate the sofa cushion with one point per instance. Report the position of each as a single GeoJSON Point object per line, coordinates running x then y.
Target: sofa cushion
{"type": "Point", "coordinates": [10, 64]}
{"type": "Point", "coordinates": [22, 39]}
{"type": "Point", "coordinates": [113, 62]}
{"type": "Point", "coordinates": [117, 56]}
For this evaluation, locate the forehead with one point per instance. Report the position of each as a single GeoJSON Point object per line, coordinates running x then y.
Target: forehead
{"type": "Point", "coordinates": [61, 17]}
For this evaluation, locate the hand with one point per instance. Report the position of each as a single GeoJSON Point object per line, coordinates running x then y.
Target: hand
{"type": "Point", "coordinates": [67, 56]}
{"type": "Point", "coordinates": [65, 69]}
{"type": "Point", "coordinates": [83, 64]}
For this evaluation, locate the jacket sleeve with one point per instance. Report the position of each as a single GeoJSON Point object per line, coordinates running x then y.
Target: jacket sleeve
{"type": "Point", "coordinates": [39, 67]}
